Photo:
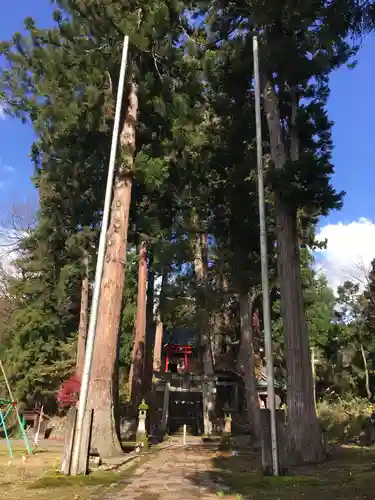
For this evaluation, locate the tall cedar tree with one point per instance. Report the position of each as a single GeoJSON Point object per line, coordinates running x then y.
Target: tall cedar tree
{"type": "Point", "coordinates": [294, 87]}
{"type": "Point", "coordinates": [78, 87]}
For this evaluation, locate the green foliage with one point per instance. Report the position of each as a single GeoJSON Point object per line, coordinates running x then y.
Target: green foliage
{"type": "Point", "coordinates": [343, 419]}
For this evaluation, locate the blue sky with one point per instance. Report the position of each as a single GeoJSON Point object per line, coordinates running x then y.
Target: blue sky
{"type": "Point", "coordinates": [351, 107]}
{"type": "Point", "coordinates": [15, 138]}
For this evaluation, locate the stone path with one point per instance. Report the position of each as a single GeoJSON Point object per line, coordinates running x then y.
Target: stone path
{"type": "Point", "coordinates": [176, 473]}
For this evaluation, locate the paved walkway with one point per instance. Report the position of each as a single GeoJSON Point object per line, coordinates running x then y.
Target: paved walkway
{"type": "Point", "coordinates": [177, 473]}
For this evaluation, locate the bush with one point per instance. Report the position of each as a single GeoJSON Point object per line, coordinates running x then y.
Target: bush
{"type": "Point", "coordinates": [343, 420]}
{"type": "Point", "coordinates": [68, 394]}
{"type": "Point", "coordinates": [225, 441]}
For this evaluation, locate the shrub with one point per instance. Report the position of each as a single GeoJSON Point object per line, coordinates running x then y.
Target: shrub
{"type": "Point", "coordinates": [69, 392]}
{"type": "Point", "coordinates": [343, 420]}
{"type": "Point", "coordinates": [225, 441]}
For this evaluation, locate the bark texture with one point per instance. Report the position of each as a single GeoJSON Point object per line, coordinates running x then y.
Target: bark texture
{"type": "Point", "coordinates": [137, 366]}
{"type": "Point", "coordinates": [103, 396]}
{"type": "Point", "coordinates": [201, 271]}
{"type": "Point", "coordinates": [150, 328]}
{"type": "Point", "coordinates": [246, 366]}
{"type": "Point", "coordinates": [158, 344]}
{"type": "Point", "coordinates": [83, 317]}
{"type": "Point", "coordinates": [303, 427]}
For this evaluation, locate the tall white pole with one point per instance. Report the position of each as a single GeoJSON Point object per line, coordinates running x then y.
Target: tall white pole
{"type": "Point", "coordinates": [99, 266]}
{"type": "Point", "coordinates": [264, 265]}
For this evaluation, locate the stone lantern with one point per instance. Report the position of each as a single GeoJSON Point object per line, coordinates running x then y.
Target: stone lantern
{"type": "Point", "coordinates": [141, 436]}
{"type": "Point", "coordinates": [227, 419]}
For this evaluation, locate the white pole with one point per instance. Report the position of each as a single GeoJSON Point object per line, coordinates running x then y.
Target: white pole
{"type": "Point", "coordinates": [184, 436]}
{"type": "Point", "coordinates": [99, 265]}
{"type": "Point", "coordinates": [36, 438]}
{"type": "Point", "coordinates": [264, 265]}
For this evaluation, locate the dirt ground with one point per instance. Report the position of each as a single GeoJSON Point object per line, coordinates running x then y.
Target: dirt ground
{"type": "Point", "coordinates": [37, 477]}
{"type": "Point", "coordinates": [348, 475]}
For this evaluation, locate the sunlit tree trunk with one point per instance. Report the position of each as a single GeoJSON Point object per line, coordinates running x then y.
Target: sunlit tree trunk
{"type": "Point", "coordinates": [83, 317]}
{"type": "Point", "coordinates": [137, 365]}
{"type": "Point", "coordinates": [103, 397]}
{"type": "Point", "coordinates": [158, 344]}
{"type": "Point", "coordinates": [150, 328]}
{"type": "Point", "coordinates": [304, 431]}
{"type": "Point", "coordinates": [201, 270]}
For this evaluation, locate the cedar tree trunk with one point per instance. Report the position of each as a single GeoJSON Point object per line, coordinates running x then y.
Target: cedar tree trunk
{"type": "Point", "coordinates": [83, 318]}
{"type": "Point", "coordinates": [158, 344]}
{"type": "Point", "coordinates": [102, 394]}
{"type": "Point", "coordinates": [303, 426]}
{"type": "Point", "coordinates": [201, 271]}
{"type": "Point", "coordinates": [246, 366]}
{"type": "Point", "coordinates": [150, 333]}
{"type": "Point", "coordinates": [137, 366]}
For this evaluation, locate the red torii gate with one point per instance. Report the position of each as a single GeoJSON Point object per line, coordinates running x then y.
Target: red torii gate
{"type": "Point", "coordinates": [177, 349]}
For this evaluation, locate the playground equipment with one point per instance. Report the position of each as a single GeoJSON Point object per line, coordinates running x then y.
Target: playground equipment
{"type": "Point", "coordinates": [7, 408]}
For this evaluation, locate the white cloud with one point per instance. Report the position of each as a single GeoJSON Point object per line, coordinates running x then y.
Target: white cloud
{"type": "Point", "coordinates": [350, 250]}
{"type": "Point", "coordinates": [5, 170]}
{"type": "Point", "coordinates": [2, 112]}
{"type": "Point", "coordinates": [8, 169]}
{"type": "Point", "coordinates": [5, 251]}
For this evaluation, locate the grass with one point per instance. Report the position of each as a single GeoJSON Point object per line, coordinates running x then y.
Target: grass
{"type": "Point", "coordinates": [38, 477]}
{"type": "Point", "coordinates": [348, 475]}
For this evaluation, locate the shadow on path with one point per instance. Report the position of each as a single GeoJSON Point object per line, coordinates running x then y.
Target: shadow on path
{"type": "Point", "coordinates": [348, 475]}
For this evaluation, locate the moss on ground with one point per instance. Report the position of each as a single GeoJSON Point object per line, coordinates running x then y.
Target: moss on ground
{"type": "Point", "coordinates": [348, 475]}
{"type": "Point", "coordinates": [38, 478]}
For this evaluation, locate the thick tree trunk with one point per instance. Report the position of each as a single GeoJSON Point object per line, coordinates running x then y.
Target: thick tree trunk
{"type": "Point", "coordinates": [201, 271]}
{"type": "Point", "coordinates": [83, 317]}
{"type": "Point", "coordinates": [246, 366]}
{"type": "Point", "coordinates": [203, 321]}
{"type": "Point", "coordinates": [138, 354]}
{"type": "Point", "coordinates": [103, 398]}
{"type": "Point", "coordinates": [150, 328]}
{"type": "Point", "coordinates": [304, 431]}
{"type": "Point", "coordinates": [158, 344]}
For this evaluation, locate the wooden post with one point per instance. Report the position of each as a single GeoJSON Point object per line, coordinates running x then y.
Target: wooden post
{"type": "Point", "coordinates": [235, 398]}
{"type": "Point", "coordinates": [184, 436]}
{"type": "Point", "coordinates": [69, 441]}
{"type": "Point", "coordinates": [83, 464]}
{"type": "Point", "coordinates": [38, 429]}
{"type": "Point", "coordinates": [164, 419]}
{"type": "Point", "coordinates": [23, 432]}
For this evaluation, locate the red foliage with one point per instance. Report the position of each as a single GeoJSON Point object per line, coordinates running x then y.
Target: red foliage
{"type": "Point", "coordinates": [69, 392]}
